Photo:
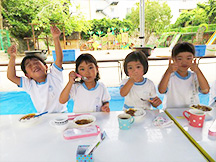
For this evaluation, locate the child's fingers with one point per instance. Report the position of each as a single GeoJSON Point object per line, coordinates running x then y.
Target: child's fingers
{"type": "Point", "coordinates": [170, 61]}
{"type": "Point", "coordinates": [194, 61]}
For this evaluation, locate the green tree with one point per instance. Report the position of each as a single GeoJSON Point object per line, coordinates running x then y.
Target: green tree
{"type": "Point", "coordinates": [194, 17]}
{"type": "Point", "coordinates": [210, 9]}
{"type": "Point", "coordinates": [18, 14]}
{"type": "Point", "coordinates": [105, 24]}
{"type": "Point", "coordinates": [157, 17]}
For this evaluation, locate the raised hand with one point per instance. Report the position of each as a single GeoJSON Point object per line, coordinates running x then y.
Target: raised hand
{"type": "Point", "coordinates": [72, 76]}
{"type": "Point", "coordinates": [12, 50]}
{"type": "Point", "coordinates": [172, 66]}
{"type": "Point", "coordinates": [194, 66]}
{"type": "Point", "coordinates": [55, 31]}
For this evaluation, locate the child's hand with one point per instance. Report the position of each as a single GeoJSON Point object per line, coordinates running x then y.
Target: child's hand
{"type": "Point", "coordinates": [172, 66]}
{"type": "Point", "coordinates": [12, 51]}
{"type": "Point", "coordinates": [134, 77]}
{"type": "Point", "coordinates": [72, 76]}
{"type": "Point", "coordinates": [194, 66]}
{"type": "Point", "coordinates": [55, 32]}
{"type": "Point", "coordinates": [105, 107]}
{"type": "Point", "coordinates": [155, 102]}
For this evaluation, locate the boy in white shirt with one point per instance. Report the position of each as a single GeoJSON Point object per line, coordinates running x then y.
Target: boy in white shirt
{"type": "Point", "coordinates": [44, 88]}
{"type": "Point", "coordinates": [179, 85]}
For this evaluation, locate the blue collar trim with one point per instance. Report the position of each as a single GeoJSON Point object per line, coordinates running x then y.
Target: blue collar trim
{"type": "Point", "coordinates": [41, 82]}
{"type": "Point", "coordinates": [92, 89]}
{"type": "Point", "coordinates": [142, 82]}
{"type": "Point", "coordinates": [184, 78]}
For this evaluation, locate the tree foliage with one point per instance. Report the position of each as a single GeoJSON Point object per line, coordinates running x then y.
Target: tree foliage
{"type": "Point", "coordinates": [157, 17]}
{"type": "Point", "coordinates": [205, 13]}
{"type": "Point", "coordinates": [18, 14]}
{"type": "Point", "coordinates": [210, 9]}
{"type": "Point", "coordinates": [105, 24]}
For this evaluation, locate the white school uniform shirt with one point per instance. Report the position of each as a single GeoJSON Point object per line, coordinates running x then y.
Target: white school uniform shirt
{"type": "Point", "coordinates": [181, 92]}
{"type": "Point", "coordinates": [212, 96]}
{"type": "Point", "coordinates": [145, 90]}
{"type": "Point", "coordinates": [45, 95]}
{"type": "Point", "coordinates": [89, 100]}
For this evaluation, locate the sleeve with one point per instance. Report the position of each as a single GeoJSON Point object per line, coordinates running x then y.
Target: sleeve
{"type": "Point", "coordinates": [124, 81]}
{"type": "Point", "coordinates": [25, 83]}
{"type": "Point", "coordinates": [212, 97]}
{"type": "Point", "coordinates": [73, 91]}
{"type": "Point", "coordinates": [56, 72]}
{"type": "Point", "coordinates": [153, 92]}
{"type": "Point", "coordinates": [196, 84]}
{"type": "Point", "coordinates": [106, 95]}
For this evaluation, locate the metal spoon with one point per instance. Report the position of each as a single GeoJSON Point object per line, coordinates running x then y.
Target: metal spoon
{"type": "Point", "coordinates": [82, 77]}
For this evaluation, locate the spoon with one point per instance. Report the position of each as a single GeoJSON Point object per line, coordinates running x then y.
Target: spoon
{"type": "Point", "coordinates": [145, 100]}
{"type": "Point", "coordinates": [82, 77]}
{"type": "Point", "coordinates": [41, 114]}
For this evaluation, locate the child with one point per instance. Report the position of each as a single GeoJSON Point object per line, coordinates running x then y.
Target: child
{"type": "Point", "coordinates": [212, 98]}
{"type": "Point", "coordinates": [139, 92]}
{"type": "Point", "coordinates": [180, 85]}
{"type": "Point", "coordinates": [89, 95]}
{"type": "Point", "coordinates": [44, 88]}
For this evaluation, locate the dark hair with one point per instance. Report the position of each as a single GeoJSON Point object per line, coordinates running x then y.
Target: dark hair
{"type": "Point", "coordinates": [136, 56]}
{"type": "Point", "coordinates": [30, 57]}
{"type": "Point", "coordinates": [88, 58]}
{"type": "Point", "coordinates": [183, 47]}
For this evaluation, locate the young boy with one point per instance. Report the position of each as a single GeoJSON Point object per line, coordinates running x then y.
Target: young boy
{"type": "Point", "coordinates": [179, 85]}
{"type": "Point", "coordinates": [44, 88]}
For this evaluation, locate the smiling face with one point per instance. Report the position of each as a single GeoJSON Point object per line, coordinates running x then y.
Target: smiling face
{"type": "Point", "coordinates": [184, 61]}
{"type": "Point", "coordinates": [35, 69]}
{"type": "Point", "coordinates": [88, 70]}
{"type": "Point", "coordinates": [135, 70]}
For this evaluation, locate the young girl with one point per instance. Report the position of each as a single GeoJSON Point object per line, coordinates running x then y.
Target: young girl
{"type": "Point", "coordinates": [139, 92]}
{"type": "Point", "coordinates": [89, 95]}
{"type": "Point", "coordinates": [181, 86]}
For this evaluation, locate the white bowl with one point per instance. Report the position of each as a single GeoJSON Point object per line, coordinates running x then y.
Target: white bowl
{"type": "Point", "coordinates": [90, 118]}
{"type": "Point", "coordinates": [28, 121]}
{"type": "Point", "coordinates": [200, 107]}
{"type": "Point", "coordinates": [139, 113]}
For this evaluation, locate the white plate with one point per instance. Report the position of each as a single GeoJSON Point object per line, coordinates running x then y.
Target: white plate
{"type": "Point", "coordinates": [139, 114]}
{"type": "Point", "coordinates": [87, 117]}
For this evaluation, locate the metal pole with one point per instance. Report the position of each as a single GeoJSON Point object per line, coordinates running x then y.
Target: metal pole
{"type": "Point", "coordinates": [142, 22]}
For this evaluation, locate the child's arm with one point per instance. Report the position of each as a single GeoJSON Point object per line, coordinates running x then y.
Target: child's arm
{"type": "Point", "coordinates": [58, 50]}
{"type": "Point", "coordinates": [105, 107]}
{"type": "Point", "coordinates": [11, 71]}
{"type": "Point", "coordinates": [66, 91]}
{"type": "Point", "coordinates": [155, 102]}
{"type": "Point", "coordinates": [203, 83]}
{"type": "Point", "coordinates": [165, 79]}
{"type": "Point", "coordinates": [126, 88]}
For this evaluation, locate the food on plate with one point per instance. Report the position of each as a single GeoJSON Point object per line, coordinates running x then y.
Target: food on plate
{"type": "Point", "coordinates": [83, 121]}
{"type": "Point", "coordinates": [135, 111]}
{"type": "Point", "coordinates": [202, 107]}
{"type": "Point", "coordinates": [27, 117]}
{"type": "Point", "coordinates": [131, 111]}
